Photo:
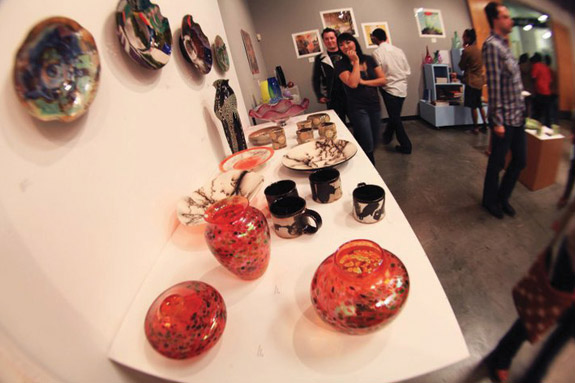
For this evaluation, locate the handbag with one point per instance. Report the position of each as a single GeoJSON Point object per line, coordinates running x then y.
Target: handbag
{"type": "Point", "coordinates": [538, 303]}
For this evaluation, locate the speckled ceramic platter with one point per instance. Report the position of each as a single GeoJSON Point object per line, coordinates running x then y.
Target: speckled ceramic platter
{"type": "Point", "coordinates": [57, 70]}
{"type": "Point", "coordinates": [144, 33]}
{"type": "Point", "coordinates": [319, 154]}
{"type": "Point", "coordinates": [191, 209]}
{"type": "Point", "coordinates": [221, 53]}
{"type": "Point", "coordinates": [247, 159]}
{"type": "Point", "coordinates": [195, 45]}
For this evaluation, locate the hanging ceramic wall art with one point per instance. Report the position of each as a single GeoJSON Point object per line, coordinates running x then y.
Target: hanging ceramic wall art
{"type": "Point", "coordinates": [195, 45]}
{"type": "Point", "coordinates": [360, 287]}
{"type": "Point", "coordinates": [221, 53]}
{"type": "Point", "coordinates": [239, 237]}
{"type": "Point", "coordinates": [57, 70]}
{"type": "Point", "coordinates": [186, 320]}
{"type": "Point", "coordinates": [226, 110]}
{"type": "Point", "coordinates": [144, 33]}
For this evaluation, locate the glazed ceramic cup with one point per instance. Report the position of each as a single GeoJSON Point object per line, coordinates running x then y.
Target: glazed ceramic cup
{"type": "Point", "coordinates": [317, 119]}
{"type": "Point", "coordinates": [280, 189]}
{"type": "Point", "coordinates": [291, 218]}
{"type": "Point", "coordinates": [304, 125]}
{"type": "Point", "coordinates": [304, 135]}
{"type": "Point", "coordinates": [325, 185]}
{"type": "Point", "coordinates": [368, 203]}
{"type": "Point", "coordinates": [328, 130]}
{"type": "Point", "coordinates": [278, 137]}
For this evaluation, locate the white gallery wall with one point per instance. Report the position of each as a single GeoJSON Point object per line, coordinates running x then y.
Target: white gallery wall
{"type": "Point", "coordinates": [86, 207]}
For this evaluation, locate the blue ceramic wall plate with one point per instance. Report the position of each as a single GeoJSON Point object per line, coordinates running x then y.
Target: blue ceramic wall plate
{"type": "Point", "coordinates": [57, 70]}
{"type": "Point", "coordinates": [144, 33]}
{"type": "Point", "coordinates": [195, 45]}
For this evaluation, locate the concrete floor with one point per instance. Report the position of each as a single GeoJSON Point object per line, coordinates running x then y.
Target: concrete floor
{"type": "Point", "coordinates": [477, 257]}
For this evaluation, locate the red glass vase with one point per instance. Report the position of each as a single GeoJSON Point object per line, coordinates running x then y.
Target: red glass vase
{"type": "Point", "coordinates": [186, 320]}
{"type": "Point", "coordinates": [360, 287]}
{"type": "Point", "coordinates": [239, 237]}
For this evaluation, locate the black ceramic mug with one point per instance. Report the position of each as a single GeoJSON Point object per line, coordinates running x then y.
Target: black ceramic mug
{"type": "Point", "coordinates": [325, 185]}
{"type": "Point", "coordinates": [368, 203]}
{"type": "Point", "coordinates": [277, 190]}
{"type": "Point", "coordinates": [291, 218]}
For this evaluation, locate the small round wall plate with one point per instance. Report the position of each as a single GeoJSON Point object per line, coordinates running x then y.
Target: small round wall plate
{"type": "Point", "coordinates": [57, 70]}
{"type": "Point", "coordinates": [221, 53]}
{"type": "Point", "coordinates": [247, 159]}
{"type": "Point", "coordinates": [320, 154]}
{"type": "Point", "coordinates": [262, 136]}
{"type": "Point", "coordinates": [144, 33]}
{"type": "Point", "coordinates": [195, 45]}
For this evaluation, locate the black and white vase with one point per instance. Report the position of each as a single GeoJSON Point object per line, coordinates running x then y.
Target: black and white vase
{"type": "Point", "coordinates": [226, 109]}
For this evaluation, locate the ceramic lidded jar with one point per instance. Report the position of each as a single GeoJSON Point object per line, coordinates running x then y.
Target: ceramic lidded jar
{"type": "Point", "coordinates": [239, 237]}
{"type": "Point", "coordinates": [186, 320]}
{"type": "Point", "coordinates": [360, 287]}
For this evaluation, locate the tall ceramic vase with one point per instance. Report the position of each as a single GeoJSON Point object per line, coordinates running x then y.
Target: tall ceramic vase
{"type": "Point", "coordinates": [239, 237]}
{"type": "Point", "coordinates": [360, 287]}
{"type": "Point", "coordinates": [226, 109]}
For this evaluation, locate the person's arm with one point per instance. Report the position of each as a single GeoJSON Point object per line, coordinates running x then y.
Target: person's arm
{"type": "Point", "coordinates": [380, 79]}
{"type": "Point", "coordinates": [493, 67]}
{"type": "Point", "coordinates": [316, 80]}
{"type": "Point", "coordinates": [463, 61]}
{"type": "Point", "coordinates": [351, 79]}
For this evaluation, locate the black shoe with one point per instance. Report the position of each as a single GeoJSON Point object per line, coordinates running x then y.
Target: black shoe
{"type": "Point", "coordinates": [403, 150]}
{"type": "Point", "coordinates": [483, 130]}
{"type": "Point", "coordinates": [508, 209]}
{"type": "Point", "coordinates": [494, 210]}
{"type": "Point", "coordinates": [387, 137]}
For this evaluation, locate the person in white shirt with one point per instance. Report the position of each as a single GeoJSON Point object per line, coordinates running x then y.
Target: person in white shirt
{"type": "Point", "coordinates": [396, 69]}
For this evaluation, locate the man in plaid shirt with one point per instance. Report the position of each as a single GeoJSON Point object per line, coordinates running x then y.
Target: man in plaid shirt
{"type": "Point", "coordinates": [506, 113]}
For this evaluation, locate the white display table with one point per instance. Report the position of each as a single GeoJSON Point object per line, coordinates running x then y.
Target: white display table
{"type": "Point", "coordinates": [273, 333]}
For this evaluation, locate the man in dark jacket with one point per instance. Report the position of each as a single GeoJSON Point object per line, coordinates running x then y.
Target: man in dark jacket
{"type": "Point", "coordinates": [328, 88]}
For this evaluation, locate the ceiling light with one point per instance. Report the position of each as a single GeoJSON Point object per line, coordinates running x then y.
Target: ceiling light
{"type": "Point", "coordinates": [528, 27]}
{"type": "Point", "coordinates": [543, 18]}
{"type": "Point", "coordinates": [547, 35]}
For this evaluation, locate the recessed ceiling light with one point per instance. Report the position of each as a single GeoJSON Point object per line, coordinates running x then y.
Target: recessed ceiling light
{"type": "Point", "coordinates": [547, 35]}
{"type": "Point", "coordinates": [528, 27]}
{"type": "Point", "coordinates": [543, 18]}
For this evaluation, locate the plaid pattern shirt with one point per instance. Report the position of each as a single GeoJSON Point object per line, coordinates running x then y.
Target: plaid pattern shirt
{"type": "Point", "coordinates": [506, 105]}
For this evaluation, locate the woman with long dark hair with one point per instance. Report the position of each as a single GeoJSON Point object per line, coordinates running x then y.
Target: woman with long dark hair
{"type": "Point", "coordinates": [361, 77]}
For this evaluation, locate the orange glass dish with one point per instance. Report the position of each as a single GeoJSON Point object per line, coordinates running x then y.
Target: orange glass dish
{"type": "Point", "coordinates": [247, 159]}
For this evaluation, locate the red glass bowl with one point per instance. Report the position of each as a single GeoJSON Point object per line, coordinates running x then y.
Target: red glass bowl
{"type": "Point", "coordinates": [186, 320]}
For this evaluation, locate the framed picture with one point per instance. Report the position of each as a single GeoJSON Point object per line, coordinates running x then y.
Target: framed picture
{"type": "Point", "coordinates": [370, 27]}
{"type": "Point", "coordinates": [429, 22]}
{"type": "Point", "coordinates": [342, 20]}
{"type": "Point", "coordinates": [250, 52]}
{"type": "Point", "coordinates": [307, 43]}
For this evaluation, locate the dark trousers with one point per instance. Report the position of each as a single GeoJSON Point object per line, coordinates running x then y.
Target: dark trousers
{"type": "Point", "coordinates": [394, 105]}
{"type": "Point", "coordinates": [514, 139]}
{"type": "Point", "coordinates": [340, 108]}
{"type": "Point", "coordinates": [366, 128]}
{"type": "Point", "coordinates": [542, 109]}
{"type": "Point", "coordinates": [570, 177]}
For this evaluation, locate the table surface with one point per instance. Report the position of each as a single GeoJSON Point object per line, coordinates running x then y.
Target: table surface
{"type": "Point", "coordinates": [272, 332]}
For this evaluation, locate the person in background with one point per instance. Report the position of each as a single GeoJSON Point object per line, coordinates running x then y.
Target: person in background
{"type": "Point", "coordinates": [361, 77]}
{"type": "Point", "coordinates": [542, 77]}
{"type": "Point", "coordinates": [554, 88]}
{"type": "Point", "coordinates": [571, 175]}
{"type": "Point", "coordinates": [472, 65]}
{"type": "Point", "coordinates": [396, 69]}
{"type": "Point", "coordinates": [327, 87]}
{"type": "Point", "coordinates": [506, 113]}
{"type": "Point", "coordinates": [527, 81]}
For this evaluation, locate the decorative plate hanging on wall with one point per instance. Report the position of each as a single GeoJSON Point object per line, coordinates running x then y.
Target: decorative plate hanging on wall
{"type": "Point", "coordinates": [57, 70]}
{"type": "Point", "coordinates": [221, 53]}
{"type": "Point", "coordinates": [144, 33]}
{"type": "Point", "coordinates": [195, 45]}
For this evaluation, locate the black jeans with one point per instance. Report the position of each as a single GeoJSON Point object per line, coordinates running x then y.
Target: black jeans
{"type": "Point", "coordinates": [394, 104]}
{"type": "Point", "coordinates": [514, 139]}
{"type": "Point", "coordinates": [542, 109]}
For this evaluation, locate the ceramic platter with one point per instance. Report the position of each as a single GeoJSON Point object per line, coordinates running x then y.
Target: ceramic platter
{"type": "Point", "coordinates": [195, 45]}
{"type": "Point", "coordinates": [191, 209]}
{"type": "Point", "coordinates": [144, 33]}
{"type": "Point", "coordinates": [221, 53]}
{"type": "Point", "coordinates": [319, 154]}
{"type": "Point", "coordinates": [279, 112]}
{"type": "Point", "coordinates": [247, 159]}
{"type": "Point", "coordinates": [57, 70]}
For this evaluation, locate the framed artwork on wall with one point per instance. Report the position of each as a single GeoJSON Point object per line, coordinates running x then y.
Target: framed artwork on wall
{"type": "Point", "coordinates": [370, 27]}
{"type": "Point", "coordinates": [429, 22]}
{"type": "Point", "coordinates": [250, 52]}
{"type": "Point", "coordinates": [342, 20]}
{"type": "Point", "coordinates": [307, 43]}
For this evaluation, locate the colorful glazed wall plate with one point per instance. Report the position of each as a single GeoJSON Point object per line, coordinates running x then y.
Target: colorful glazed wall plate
{"type": "Point", "coordinates": [195, 45]}
{"type": "Point", "coordinates": [247, 159]}
{"type": "Point", "coordinates": [319, 154]}
{"type": "Point", "coordinates": [280, 112]}
{"type": "Point", "coordinates": [144, 33]}
{"type": "Point", "coordinates": [57, 70]}
{"type": "Point", "coordinates": [191, 209]}
{"type": "Point", "coordinates": [221, 53]}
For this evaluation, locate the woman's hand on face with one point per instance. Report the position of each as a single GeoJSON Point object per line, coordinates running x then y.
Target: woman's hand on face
{"type": "Point", "coordinates": [353, 57]}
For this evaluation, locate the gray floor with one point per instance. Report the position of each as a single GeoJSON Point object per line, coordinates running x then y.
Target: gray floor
{"type": "Point", "coordinates": [477, 257]}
